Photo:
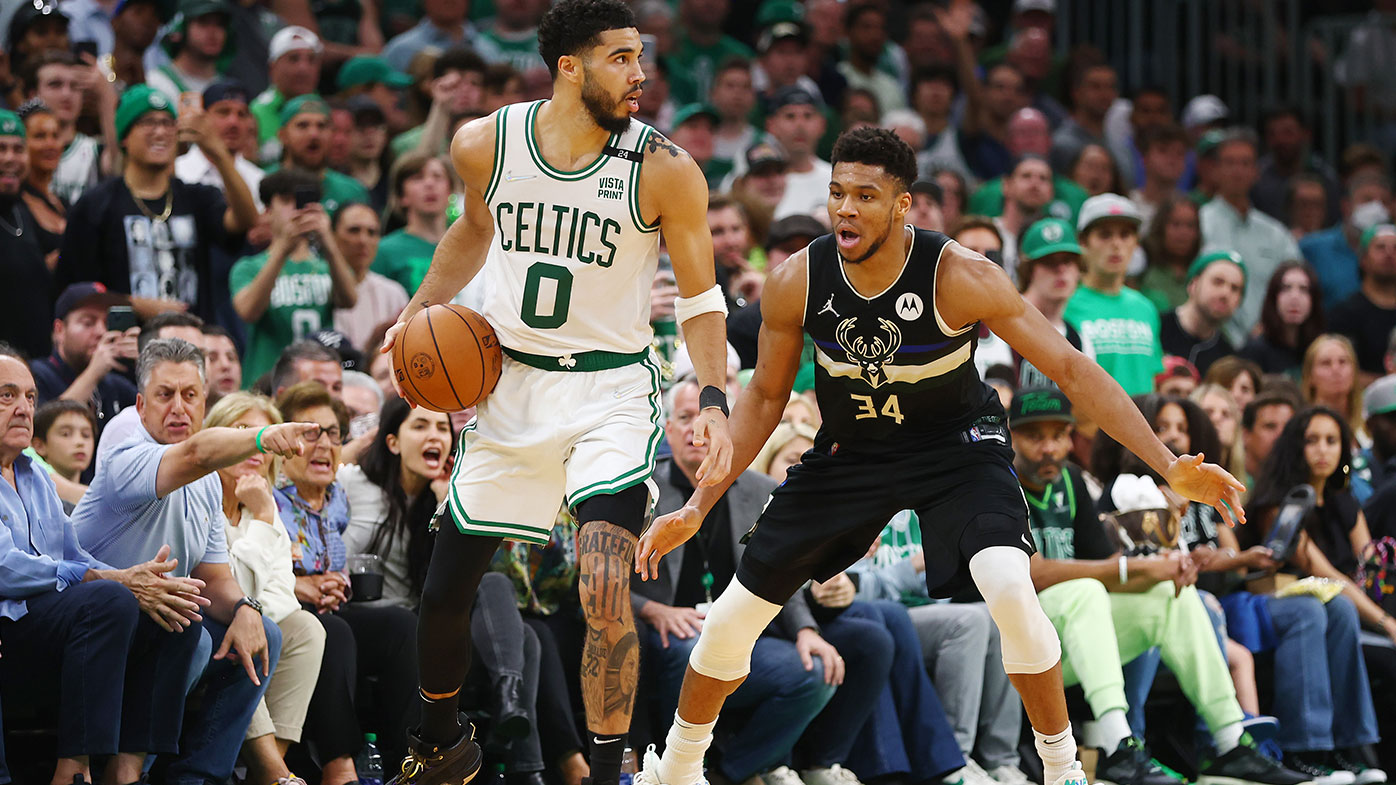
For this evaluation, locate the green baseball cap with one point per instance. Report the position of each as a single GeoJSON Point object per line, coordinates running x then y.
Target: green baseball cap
{"type": "Point", "coordinates": [1048, 236]}
{"type": "Point", "coordinates": [136, 102]}
{"type": "Point", "coordinates": [367, 69]}
{"type": "Point", "coordinates": [1039, 404]}
{"type": "Point", "coordinates": [309, 102]}
{"type": "Point", "coordinates": [1207, 144]}
{"type": "Point", "coordinates": [1372, 233]}
{"type": "Point", "coordinates": [10, 124]}
{"type": "Point", "coordinates": [689, 111]}
{"type": "Point", "coordinates": [1206, 260]}
{"type": "Point", "coordinates": [1379, 397]}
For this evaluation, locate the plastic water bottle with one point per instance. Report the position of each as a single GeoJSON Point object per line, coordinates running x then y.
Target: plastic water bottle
{"type": "Point", "coordinates": [629, 767]}
{"type": "Point", "coordinates": [370, 762]}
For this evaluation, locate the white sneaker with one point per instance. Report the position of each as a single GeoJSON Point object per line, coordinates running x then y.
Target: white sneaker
{"type": "Point", "coordinates": [834, 775]}
{"type": "Point", "coordinates": [649, 771]}
{"type": "Point", "coordinates": [1075, 776]}
{"type": "Point", "coordinates": [781, 775]}
{"type": "Point", "coordinates": [1010, 775]}
{"type": "Point", "coordinates": [974, 774]}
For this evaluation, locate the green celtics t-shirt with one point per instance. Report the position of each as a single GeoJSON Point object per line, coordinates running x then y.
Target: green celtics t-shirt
{"type": "Point", "coordinates": [691, 67]}
{"type": "Point", "coordinates": [300, 305]}
{"type": "Point", "coordinates": [404, 258]}
{"type": "Point", "coordinates": [1063, 520]}
{"type": "Point", "coordinates": [519, 50]}
{"type": "Point", "coordinates": [1124, 329]}
{"type": "Point", "coordinates": [987, 200]}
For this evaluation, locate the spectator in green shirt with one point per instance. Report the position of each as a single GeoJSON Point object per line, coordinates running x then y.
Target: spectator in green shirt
{"type": "Point", "coordinates": [287, 292]}
{"type": "Point", "coordinates": [304, 136]}
{"type": "Point", "coordinates": [700, 47]}
{"type": "Point", "coordinates": [293, 65]}
{"type": "Point", "coordinates": [421, 189]}
{"type": "Point", "coordinates": [1119, 322]}
{"type": "Point", "coordinates": [1028, 133]}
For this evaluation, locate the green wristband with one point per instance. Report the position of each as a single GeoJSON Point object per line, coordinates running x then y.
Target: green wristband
{"type": "Point", "coordinates": [259, 439]}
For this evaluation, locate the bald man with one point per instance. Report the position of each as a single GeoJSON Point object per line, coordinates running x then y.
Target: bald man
{"type": "Point", "coordinates": [1029, 134]}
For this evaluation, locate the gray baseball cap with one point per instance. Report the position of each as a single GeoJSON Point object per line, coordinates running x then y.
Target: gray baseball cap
{"type": "Point", "coordinates": [1105, 206]}
{"type": "Point", "coordinates": [1380, 397]}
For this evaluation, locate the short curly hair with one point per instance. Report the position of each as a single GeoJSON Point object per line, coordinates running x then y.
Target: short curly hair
{"type": "Point", "coordinates": [878, 147]}
{"type": "Point", "coordinates": [574, 25]}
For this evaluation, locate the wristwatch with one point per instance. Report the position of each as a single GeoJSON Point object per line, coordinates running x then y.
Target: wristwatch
{"type": "Point", "coordinates": [249, 602]}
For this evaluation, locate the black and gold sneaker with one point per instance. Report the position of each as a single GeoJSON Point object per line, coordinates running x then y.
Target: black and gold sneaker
{"type": "Point", "coordinates": [428, 764]}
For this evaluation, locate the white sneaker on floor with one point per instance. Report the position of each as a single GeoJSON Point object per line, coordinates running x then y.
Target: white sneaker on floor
{"type": "Point", "coordinates": [974, 774]}
{"type": "Point", "coordinates": [649, 771]}
{"type": "Point", "coordinates": [833, 775]}
{"type": "Point", "coordinates": [781, 775]}
{"type": "Point", "coordinates": [1075, 776]}
{"type": "Point", "coordinates": [1010, 775]}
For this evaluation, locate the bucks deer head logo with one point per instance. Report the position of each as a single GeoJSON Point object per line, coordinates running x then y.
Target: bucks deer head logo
{"type": "Point", "coordinates": [869, 352]}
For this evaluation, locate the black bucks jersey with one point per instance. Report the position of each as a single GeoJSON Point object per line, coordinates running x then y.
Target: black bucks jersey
{"type": "Point", "coordinates": [888, 371]}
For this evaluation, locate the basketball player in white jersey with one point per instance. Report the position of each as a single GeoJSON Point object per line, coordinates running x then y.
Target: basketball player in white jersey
{"type": "Point", "coordinates": [564, 200]}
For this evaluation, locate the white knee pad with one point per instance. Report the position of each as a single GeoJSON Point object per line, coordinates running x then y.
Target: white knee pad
{"type": "Point", "coordinates": [1028, 639]}
{"type": "Point", "coordinates": [730, 630]}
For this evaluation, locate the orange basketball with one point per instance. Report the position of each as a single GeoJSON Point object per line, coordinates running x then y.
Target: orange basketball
{"type": "Point", "coordinates": [447, 358]}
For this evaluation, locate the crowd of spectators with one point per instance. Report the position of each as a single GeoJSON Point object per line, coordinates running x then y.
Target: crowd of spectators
{"type": "Point", "coordinates": [211, 211]}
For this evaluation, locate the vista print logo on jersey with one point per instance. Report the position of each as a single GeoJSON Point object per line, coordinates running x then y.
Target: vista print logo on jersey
{"type": "Point", "coordinates": [870, 352]}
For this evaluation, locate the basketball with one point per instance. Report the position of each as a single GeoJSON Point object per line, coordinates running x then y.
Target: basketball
{"type": "Point", "coordinates": [447, 358]}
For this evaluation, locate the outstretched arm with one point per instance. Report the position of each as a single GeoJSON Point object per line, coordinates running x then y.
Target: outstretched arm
{"type": "Point", "coordinates": [672, 180]}
{"type": "Point", "coordinates": [970, 288]}
{"type": "Point", "coordinates": [757, 412]}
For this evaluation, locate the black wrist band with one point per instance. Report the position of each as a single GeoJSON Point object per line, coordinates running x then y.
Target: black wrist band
{"type": "Point", "coordinates": [712, 397]}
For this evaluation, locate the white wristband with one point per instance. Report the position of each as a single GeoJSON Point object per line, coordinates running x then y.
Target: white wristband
{"type": "Point", "coordinates": [1124, 570]}
{"type": "Point", "coordinates": [711, 301]}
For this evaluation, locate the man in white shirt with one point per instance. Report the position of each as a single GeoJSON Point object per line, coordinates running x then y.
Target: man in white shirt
{"type": "Point", "coordinates": [1231, 223]}
{"type": "Point", "coordinates": [226, 103]}
{"type": "Point", "coordinates": [796, 121]}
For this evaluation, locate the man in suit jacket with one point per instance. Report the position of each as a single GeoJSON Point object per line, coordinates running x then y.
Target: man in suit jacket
{"type": "Point", "coordinates": [794, 671]}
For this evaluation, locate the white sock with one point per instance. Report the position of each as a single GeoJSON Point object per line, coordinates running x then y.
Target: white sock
{"type": "Point", "coordinates": [1058, 753]}
{"type": "Point", "coordinates": [682, 763]}
{"type": "Point", "coordinates": [1227, 737]}
{"type": "Point", "coordinates": [1113, 728]}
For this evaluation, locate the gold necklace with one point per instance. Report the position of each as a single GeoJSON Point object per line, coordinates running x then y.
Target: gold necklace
{"type": "Point", "coordinates": [140, 204]}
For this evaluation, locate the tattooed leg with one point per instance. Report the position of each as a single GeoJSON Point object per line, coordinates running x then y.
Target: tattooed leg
{"type": "Point", "coordinates": [611, 654]}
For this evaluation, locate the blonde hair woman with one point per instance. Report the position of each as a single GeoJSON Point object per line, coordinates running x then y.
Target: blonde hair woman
{"type": "Point", "coordinates": [788, 442]}
{"type": "Point", "coordinates": [259, 550]}
{"type": "Point", "coordinates": [1329, 378]}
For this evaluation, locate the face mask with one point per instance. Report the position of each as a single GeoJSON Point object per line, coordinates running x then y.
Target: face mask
{"type": "Point", "coordinates": [1369, 214]}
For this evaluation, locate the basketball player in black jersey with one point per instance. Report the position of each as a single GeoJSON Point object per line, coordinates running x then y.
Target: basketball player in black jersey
{"type": "Point", "coordinates": [893, 312]}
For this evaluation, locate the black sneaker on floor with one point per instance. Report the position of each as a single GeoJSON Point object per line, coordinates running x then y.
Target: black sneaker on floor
{"type": "Point", "coordinates": [1244, 765]}
{"type": "Point", "coordinates": [1131, 764]}
{"type": "Point", "coordinates": [1357, 762]}
{"type": "Point", "coordinates": [1316, 766]}
{"type": "Point", "coordinates": [427, 764]}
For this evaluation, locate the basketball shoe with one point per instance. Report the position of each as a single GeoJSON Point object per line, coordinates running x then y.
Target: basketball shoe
{"type": "Point", "coordinates": [428, 764]}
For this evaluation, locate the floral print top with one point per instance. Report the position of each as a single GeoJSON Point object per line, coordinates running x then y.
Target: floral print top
{"type": "Point", "coordinates": [316, 542]}
{"type": "Point", "coordinates": [544, 576]}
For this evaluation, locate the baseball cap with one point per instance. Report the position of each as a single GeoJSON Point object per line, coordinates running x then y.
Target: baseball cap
{"type": "Point", "coordinates": [1023, 6]}
{"type": "Point", "coordinates": [350, 359]}
{"type": "Point", "coordinates": [930, 188]}
{"type": "Point", "coordinates": [163, 9]}
{"type": "Point", "coordinates": [10, 124]}
{"type": "Point", "coordinates": [1105, 206]}
{"type": "Point", "coordinates": [793, 95]}
{"type": "Point", "coordinates": [1176, 366]}
{"type": "Point", "coordinates": [30, 12]}
{"type": "Point", "coordinates": [193, 9]}
{"type": "Point", "coordinates": [689, 111]}
{"type": "Point", "coordinates": [368, 69]}
{"type": "Point", "coordinates": [366, 111]}
{"type": "Point", "coordinates": [792, 226]}
{"type": "Point", "coordinates": [1046, 237]}
{"type": "Point", "coordinates": [1039, 404]}
{"type": "Point", "coordinates": [781, 31]}
{"type": "Point", "coordinates": [289, 39]}
{"type": "Point", "coordinates": [309, 102]}
{"type": "Point", "coordinates": [1372, 233]}
{"type": "Point", "coordinates": [1205, 260]}
{"type": "Point", "coordinates": [765, 154]}
{"type": "Point", "coordinates": [1208, 142]}
{"type": "Point", "coordinates": [774, 11]}
{"type": "Point", "coordinates": [1380, 397]}
{"type": "Point", "coordinates": [137, 101]}
{"type": "Point", "coordinates": [226, 89]}
{"type": "Point", "coordinates": [1204, 110]}
{"type": "Point", "coordinates": [85, 293]}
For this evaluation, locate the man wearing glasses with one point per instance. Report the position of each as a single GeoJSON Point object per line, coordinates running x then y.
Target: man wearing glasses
{"type": "Point", "coordinates": [159, 487]}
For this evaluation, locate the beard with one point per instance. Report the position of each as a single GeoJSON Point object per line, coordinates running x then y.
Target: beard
{"type": "Point", "coordinates": [876, 244]}
{"type": "Point", "coordinates": [602, 107]}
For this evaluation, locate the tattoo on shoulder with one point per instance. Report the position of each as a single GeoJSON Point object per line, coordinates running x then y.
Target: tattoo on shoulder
{"type": "Point", "coordinates": [657, 142]}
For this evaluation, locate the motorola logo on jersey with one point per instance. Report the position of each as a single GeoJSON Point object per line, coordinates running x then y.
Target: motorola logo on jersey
{"type": "Point", "coordinates": [909, 306]}
{"type": "Point", "coordinates": [869, 351]}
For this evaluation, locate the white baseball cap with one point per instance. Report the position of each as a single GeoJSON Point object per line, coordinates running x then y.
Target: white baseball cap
{"type": "Point", "coordinates": [289, 39]}
{"type": "Point", "coordinates": [1023, 6]}
{"type": "Point", "coordinates": [1099, 208]}
{"type": "Point", "coordinates": [1204, 109]}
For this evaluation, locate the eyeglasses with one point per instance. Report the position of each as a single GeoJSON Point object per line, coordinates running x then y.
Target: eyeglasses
{"type": "Point", "coordinates": [335, 434]}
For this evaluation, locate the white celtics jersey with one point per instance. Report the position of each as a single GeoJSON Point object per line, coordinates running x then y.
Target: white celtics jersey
{"type": "Point", "coordinates": [572, 260]}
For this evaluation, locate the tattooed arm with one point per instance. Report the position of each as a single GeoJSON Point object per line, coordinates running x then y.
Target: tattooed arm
{"type": "Point", "coordinates": [611, 653]}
